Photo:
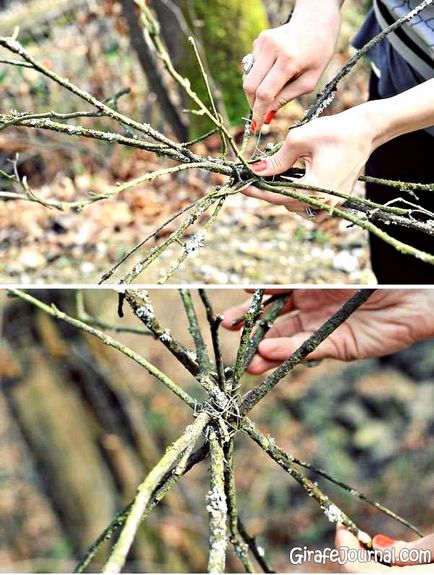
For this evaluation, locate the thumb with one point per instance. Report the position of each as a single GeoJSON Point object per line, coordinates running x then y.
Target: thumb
{"type": "Point", "coordinates": [281, 161]}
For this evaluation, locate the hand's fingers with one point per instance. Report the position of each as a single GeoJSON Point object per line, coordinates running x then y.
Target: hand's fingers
{"type": "Point", "coordinates": [279, 162]}
{"type": "Point", "coordinates": [321, 172]}
{"type": "Point", "coordinates": [286, 325]}
{"type": "Point", "coordinates": [345, 537]}
{"type": "Point", "coordinates": [263, 63]}
{"type": "Point", "coordinates": [268, 90]}
{"type": "Point", "coordinates": [299, 86]}
{"type": "Point", "coordinates": [274, 198]}
{"type": "Point", "coordinates": [424, 543]}
{"type": "Point", "coordinates": [292, 205]}
{"type": "Point", "coordinates": [281, 348]}
{"type": "Point", "coordinates": [345, 541]}
{"type": "Point", "coordinates": [253, 192]}
{"type": "Point", "coordinates": [407, 552]}
{"type": "Point", "coordinates": [259, 365]}
{"type": "Point", "coordinates": [312, 179]}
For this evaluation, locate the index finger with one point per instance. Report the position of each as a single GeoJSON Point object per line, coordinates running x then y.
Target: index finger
{"type": "Point", "coordinates": [268, 90]}
{"type": "Point", "coordinates": [262, 64]}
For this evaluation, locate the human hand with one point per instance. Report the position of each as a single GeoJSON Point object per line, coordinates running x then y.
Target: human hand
{"type": "Point", "coordinates": [389, 321]}
{"type": "Point", "coordinates": [289, 60]}
{"type": "Point", "coordinates": [334, 150]}
{"type": "Point", "coordinates": [347, 541]}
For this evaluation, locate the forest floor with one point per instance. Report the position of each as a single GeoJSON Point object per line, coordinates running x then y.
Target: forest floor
{"type": "Point", "coordinates": [251, 241]}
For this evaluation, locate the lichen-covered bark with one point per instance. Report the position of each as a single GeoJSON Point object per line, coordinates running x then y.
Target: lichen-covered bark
{"type": "Point", "coordinates": [217, 508]}
{"type": "Point", "coordinates": [226, 30]}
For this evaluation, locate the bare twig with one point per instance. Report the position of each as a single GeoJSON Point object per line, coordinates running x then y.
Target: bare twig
{"type": "Point", "coordinates": [214, 323]}
{"type": "Point", "coordinates": [236, 537]}
{"type": "Point", "coordinates": [252, 315]}
{"type": "Point", "coordinates": [196, 334]}
{"type": "Point", "coordinates": [330, 509]}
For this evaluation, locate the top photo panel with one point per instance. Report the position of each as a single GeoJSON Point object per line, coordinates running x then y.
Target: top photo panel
{"type": "Point", "coordinates": [227, 142]}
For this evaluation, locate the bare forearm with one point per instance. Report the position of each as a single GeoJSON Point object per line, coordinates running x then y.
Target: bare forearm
{"type": "Point", "coordinates": [323, 16]}
{"type": "Point", "coordinates": [315, 5]}
{"type": "Point", "coordinates": [407, 112]}
{"type": "Point", "coordinates": [318, 10]}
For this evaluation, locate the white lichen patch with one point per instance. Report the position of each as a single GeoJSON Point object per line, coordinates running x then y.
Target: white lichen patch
{"type": "Point", "coordinates": [325, 104]}
{"type": "Point", "coordinates": [145, 312]}
{"type": "Point", "coordinates": [195, 243]}
{"type": "Point", "coordinates": [166, 336]}
{"type": "Point", "coordinates": [189, 353]}
{"type": "Point", "coordinates": [219, 397]}
{"type": "Point", "coordinates": [219, 546]}
{"type": "Point", "coordinates": [217, 508]}
{"type": "Point", "coordinates": [189, 429]}
{"type": "Point", "coordinates": [216, 501]}
{"type": "Point", "coordinates": [333, 513]}
{"type": "Point", "coordinates": [271, 441]}
{"type": "Point", "coordinates": [15, 46]}
{"type": "Point", "coordinates": [73, 130]}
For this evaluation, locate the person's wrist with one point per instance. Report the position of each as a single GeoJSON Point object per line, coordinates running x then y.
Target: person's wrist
{"type": "Point", "coordinates": [376, 122]}
{"type": "Point", "coordinates": [325, 6]}
{"type": "Point", "coordinates": [324, 13]}
{"type": "Point", "coordinates": [319, 20]}
{"type": "Point", "coordinates": [386, 120]}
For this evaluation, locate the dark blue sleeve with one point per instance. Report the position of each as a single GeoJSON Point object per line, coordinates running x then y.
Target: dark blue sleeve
{"type": "Point", "coordinates": [396, 74]}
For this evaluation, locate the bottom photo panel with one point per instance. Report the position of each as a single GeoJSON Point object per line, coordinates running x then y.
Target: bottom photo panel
{"type": "Point", "coordinates": [216, 430]}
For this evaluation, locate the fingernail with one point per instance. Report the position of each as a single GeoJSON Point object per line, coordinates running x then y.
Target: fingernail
{"type": "Point", "coordinates": [259, 166]}
{"type": "Point", "coordinates": [381, 540]}
{"type": "Point", "coordinates": [253, 126]}
{"type": "Point", "coordinates": [269, 117]}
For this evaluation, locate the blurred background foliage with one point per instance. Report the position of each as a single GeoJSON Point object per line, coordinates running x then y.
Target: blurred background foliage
{"type": "Point", "coordinates": [80, 424]}
{"type": "Point", "coordinates": [96, 44]}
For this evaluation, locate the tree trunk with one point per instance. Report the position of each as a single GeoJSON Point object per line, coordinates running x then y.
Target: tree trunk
{"type": "Point", "coordinates": [225, 30]}
{"type": "Point", "coordinates": [150, 68]}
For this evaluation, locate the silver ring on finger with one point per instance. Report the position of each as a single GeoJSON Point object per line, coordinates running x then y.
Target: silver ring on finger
{"type": "Point", "coordinates": [247, 63]}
